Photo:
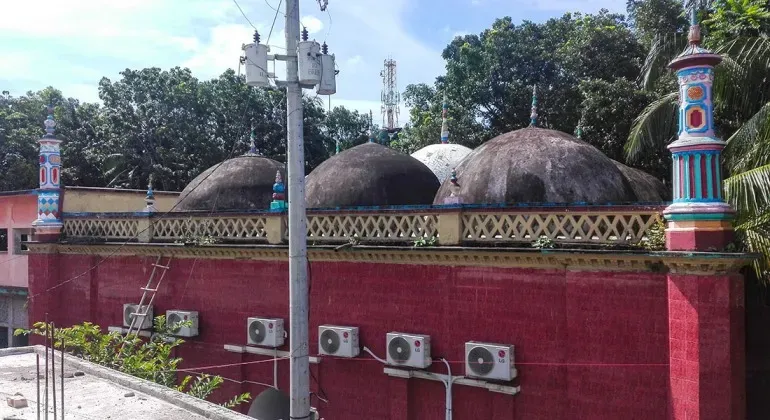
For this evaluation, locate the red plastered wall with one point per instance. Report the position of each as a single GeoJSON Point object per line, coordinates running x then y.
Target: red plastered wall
{"type": "Point", "coordinates": [588, 345]}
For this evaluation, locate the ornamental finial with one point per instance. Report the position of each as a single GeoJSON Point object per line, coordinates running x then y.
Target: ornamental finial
{"type": "Point", "coordinates": [579, 132]}
{"type": "Point", "coordinates": [279, 193]}
{"type": "Point", "coordinates": [50, 124]}
{"type": "Point", "coordinates": [444, 124]}
{"type": "Point", "coordinates": [371, 127]}
{"type": "Point", "coordinates": [533, 115]}
{"type": "Point", "coordinates": [253, 144]}
{"type": "Point", "coordinates": [150, 198]}
{"type": "Point", "coordinates": [694, 35]}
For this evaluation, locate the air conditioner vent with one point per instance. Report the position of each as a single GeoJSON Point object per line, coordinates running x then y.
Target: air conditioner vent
{"type": "Point", "coordinates": [338, 341]}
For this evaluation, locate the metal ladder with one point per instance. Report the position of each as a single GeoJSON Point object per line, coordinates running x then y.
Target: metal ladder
{"type": "Point", "coordinates": [138, 317]}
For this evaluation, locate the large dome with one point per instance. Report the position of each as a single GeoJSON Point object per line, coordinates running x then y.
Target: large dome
{"type": "Point", "coordinates": [536, 165]}
{"type": "Point", "coordinates": [370, 175]}
{"type": "Point", "coordinates": [242, 183]}
{"type": "Point", "coordinates": [442, 158]}
{"type": "Point", "coordinates": [646, 187]}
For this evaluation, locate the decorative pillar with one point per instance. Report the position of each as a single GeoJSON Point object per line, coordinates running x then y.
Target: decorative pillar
{"type": "Point", "coordinates": [48, 224]}
{"type": "Point", "coordinates": [699, 218]}
{"type": "Point", "coordinates": [450, 228]}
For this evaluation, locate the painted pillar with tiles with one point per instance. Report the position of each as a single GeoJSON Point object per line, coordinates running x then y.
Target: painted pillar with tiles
{"type": "Point", "coordinates": [699, 218]}
{"type": "Point", "coordinates": [48, 224]}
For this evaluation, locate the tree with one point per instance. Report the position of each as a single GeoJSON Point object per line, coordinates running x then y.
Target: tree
{"type": "Point", "coordinates": [654, 19]}
{"type": "Point", "coordinates": [349, 127]}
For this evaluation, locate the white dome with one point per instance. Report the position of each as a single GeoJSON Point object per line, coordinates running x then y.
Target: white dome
{"type": "Point", "coordinates": [442, 158]}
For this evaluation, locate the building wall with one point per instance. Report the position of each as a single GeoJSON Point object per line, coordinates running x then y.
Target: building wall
{"type": "Point", "coordinates": [17, 212]}
{"type": "Point", "coordinates": [588, 344]}
{"type": "Point", "coordinates": [99, 200]}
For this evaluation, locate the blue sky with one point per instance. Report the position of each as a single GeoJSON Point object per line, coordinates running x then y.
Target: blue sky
{"type": "Point", "coordinates": [71, 44]}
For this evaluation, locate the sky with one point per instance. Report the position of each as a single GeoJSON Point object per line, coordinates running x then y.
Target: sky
{"type": "Point", "coordinates": [72, 44]}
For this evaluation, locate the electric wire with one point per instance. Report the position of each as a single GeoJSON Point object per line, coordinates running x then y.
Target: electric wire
{"type": "Point", "coordinates": [244, 14]}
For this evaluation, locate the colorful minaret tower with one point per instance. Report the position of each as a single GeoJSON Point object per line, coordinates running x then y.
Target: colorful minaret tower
{"type": "Point", "coordinates": [444, 124]}
{"type": "Point", "coordinates": [699, 218]}
{"type": "Point", "coordinates": [533, 115]}
{"type": "Point", "coordinates": [279, 194]}
{"type": "Point", "coordinates": [48, 224]}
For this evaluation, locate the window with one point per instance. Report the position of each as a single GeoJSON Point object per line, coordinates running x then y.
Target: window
{"type": "Point", "coordinates": [19, 237]}
{"type": "Point", "coordinates": [3, 240]}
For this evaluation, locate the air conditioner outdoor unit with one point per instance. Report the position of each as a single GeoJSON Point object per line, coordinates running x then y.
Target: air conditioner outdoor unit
{"type": "Point", "coordinates": [412, 350]}
{"type": "Point", "coordinates": [129, 309]}
{"type": "Point", "coordinates": [489, 361]}
{"type": "Point", "coordinates": [267, 332]}
{"type": "Point", "coordinates": [175, 316]}
{"type": "Point", "coordinates": [338, 341]}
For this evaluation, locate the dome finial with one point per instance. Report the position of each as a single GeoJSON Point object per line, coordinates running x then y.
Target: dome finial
{"type": "Point", "coordinates": [150, 198]}
{"type": "Point", "coordinates": [253, 144]}
{"type": "Point", "coordinates": [50, 124]}
{"type": "Point", "coordinates": [444, 124]}
{"type": "Point", "coordinates": [371, 127]}
{"type": "Point", "coordinates": [453, 189]}
{"type": "Point", "coordinates": [579, 131]}
{"type": "Point", "coordinates": [694, 35]}
{"type": "Point", "coordinates": [533, 115]}
{"type": "Point", "coordinates": [279, 196]}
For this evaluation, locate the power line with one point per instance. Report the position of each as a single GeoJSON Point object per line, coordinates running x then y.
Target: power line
{"type": "Point", "coordinates": [274, 19]}
{"type": "Point", "coordinates": [244, 14]}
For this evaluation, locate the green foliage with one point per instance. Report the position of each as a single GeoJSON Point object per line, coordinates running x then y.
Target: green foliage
{"type": "Point", "coordinates": [544, 242]}
{"type": "Point", "coordinates": [147, 359]}
{"type": "Point", "coordinates": [425, 242]}
{"type": "Point", "coordinates": [656, 236]}
{"type": "Point", "coordinates": [730, 19]}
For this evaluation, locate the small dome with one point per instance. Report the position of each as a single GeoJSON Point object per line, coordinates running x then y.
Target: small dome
{"type": "Point", "coordinates": [536, 165]}
{"type": "Point", "coordinates": [242, 183]}
{"type": "Point", "coordinates": [370, 175]}
{"type": "Point", "coordinates": [442, 158]}
{"type": "Point", "coordinates": [646, 187]}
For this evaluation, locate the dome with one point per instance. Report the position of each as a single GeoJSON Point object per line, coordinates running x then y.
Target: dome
{"type": "Point", "coordinates": [536, 165]}
{"type": "Point", "coordinates": [646, 187]}
{"type": "Point", "coordinates": [442, 158]}
{"type": "Point", "coordinates": [370, 175]}
{"type": "Point", "coordinates": [241, 183]}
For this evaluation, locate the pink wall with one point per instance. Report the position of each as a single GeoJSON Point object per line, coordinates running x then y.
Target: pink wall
{"type": "Point", "coordinates": [589, 345]}
{"type": "Point", "coordinates": [17, 211]}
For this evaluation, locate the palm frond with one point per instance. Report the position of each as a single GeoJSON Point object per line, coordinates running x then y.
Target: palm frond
{"type": "Point", "coordinates": [749, 146]}
{"type": "Point", "coordinates": [665, 47]}
{"type": "Point", "coordinates": [741, 85]}
{"type": "Point", "coordinates": [756, 239]}
{"type": "Point", "coordinates": [655, 127]}
{"type": "Point", "coordinates": [749, 192]}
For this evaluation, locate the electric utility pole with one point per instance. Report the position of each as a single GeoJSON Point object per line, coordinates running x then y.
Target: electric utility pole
{"type": "Point", "coordinates": [298, 284]}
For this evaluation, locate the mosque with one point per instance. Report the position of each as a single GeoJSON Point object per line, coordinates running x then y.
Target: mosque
{"type": "Point", "coordinates": [526, 267]}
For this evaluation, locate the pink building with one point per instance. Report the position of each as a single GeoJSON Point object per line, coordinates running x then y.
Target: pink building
{"type": "Point", "coordinates": [18, 209]}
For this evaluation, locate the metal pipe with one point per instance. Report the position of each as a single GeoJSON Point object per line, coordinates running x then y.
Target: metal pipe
{"type": "Point", "coordinates": [275, 368]}
{"type": "Point", "coordinates": [37, 378]}
{"type": "Point", "coordinates": [448, 384]}
{"type": "Point", "coordinates": [61, 337]}
{"type": "Point", "coordinates": [47, 327]}
{"type": "Point", "coordinates": [53, 367]}
{"type": "Point", "coordinates": [299, 364]}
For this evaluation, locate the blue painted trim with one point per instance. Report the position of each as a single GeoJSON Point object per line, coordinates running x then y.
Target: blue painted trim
{"type": "Point", "coordinates": [675, 176]}
{"type": "Point", "coordinates": [705, 109]}
{"type": "Point", "coordinates": [14, 291]}
{"type": "Point", "coordinates": [699, 216]}
{"type": "Point", "coordinates": [696, 70]}
{"type": "Point", "coordinates": [698, 182]}
{"type": "Point", "coordinates": [719, 180]}
{"type": "Point", "coordinates": [687, 177]}
{"type": "Point", "coordinates": [709, 177]}
{"type": "Point", "coordinates": [705, 93]}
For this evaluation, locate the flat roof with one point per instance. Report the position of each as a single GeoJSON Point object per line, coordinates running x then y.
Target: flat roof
{"type": "Point", "coordinates": [98, 394]}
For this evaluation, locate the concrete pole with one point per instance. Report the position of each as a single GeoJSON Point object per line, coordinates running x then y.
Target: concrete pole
{"type": "Point", "coordinates": [298, 284]}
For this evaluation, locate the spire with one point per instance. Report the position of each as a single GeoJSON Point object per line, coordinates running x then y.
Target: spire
{"type": "Point", "coordinates": [694, 35]}
{"type": "Point", "coordinates": [444, 125]}
{"type": "Point", "coordinates": [50, 124]}
{"type": "Point", "coordinates": [253, 151]}
{"type": "Point", "coordinates": [150, 198]}
{"type": "Point", "coordinates": [579, 131]}
{"type": "Point", "coordinates": [371, 127]}
{"type": "Point", "coordinates": [533, 115]}
{"type": "Point", "coordinates": [279, 193]}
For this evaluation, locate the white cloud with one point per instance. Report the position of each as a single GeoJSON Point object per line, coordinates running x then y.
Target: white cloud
{"type": "Point", "coordinates": [312, 23]}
